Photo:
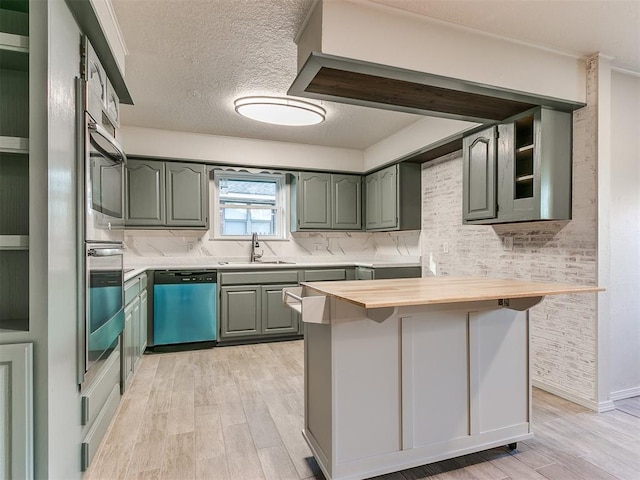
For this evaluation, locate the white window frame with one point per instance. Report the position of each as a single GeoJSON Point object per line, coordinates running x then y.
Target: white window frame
{"type": "Point", "coordinates": [280, 206]}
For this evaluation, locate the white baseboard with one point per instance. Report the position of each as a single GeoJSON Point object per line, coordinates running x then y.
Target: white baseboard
{"type": "Point", "coordinates": [599, 407]}
{"type": "Point", "coordinates": [626, 393]}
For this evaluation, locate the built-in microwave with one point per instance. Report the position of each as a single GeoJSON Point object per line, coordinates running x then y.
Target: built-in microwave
{"type": "Point", "coordinates": [104, 184]}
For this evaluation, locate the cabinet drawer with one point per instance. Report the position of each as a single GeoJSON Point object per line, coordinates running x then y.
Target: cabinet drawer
{"type": "Point", "coordinates": [253, 277]}
{"type": "Point", "coordinates": [131, 290]}
{"type": "Point", "coordinates": [97, 394]}
{"type": "Point", "coordinates": [325, 275]}
{"type": "Point", "coordinates": [93, 439]}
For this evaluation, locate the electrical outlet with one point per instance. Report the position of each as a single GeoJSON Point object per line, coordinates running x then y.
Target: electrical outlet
{"type": "Point", "coordinates": [507, 243]}
{"type": "Point", "coordinates": [317, 247]}
{"type": "Point", "coordinates": [445, 247]}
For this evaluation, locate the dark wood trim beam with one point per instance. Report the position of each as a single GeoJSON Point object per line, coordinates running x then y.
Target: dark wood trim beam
{"type": "Point", "coordinates": [343, 80]}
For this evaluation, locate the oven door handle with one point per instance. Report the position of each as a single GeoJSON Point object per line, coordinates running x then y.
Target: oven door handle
{"type": "Point", "coordinates": [104, 133]}
{"type": "Point", "coordinates": [105, 252]}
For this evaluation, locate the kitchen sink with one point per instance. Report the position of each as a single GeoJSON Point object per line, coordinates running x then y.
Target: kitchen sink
{"type": "Point", "coordinates": [273, 262]}
{"type": "Point", "coordinates": [278, 262]}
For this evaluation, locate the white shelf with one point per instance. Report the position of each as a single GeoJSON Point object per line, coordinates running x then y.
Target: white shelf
{"type": "Point", "coordinates": [14, 145]}
{"type": "Point", "coordinates": [524, 178]}
{"type": "Point", "coordinates": [526, 148]}
{"type": "Point", "coordinates": [14, 242]}
{"type": "Point", "coordinates": [14, 43]}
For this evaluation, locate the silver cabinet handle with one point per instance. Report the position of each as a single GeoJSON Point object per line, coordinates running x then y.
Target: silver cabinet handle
{"type": "Point", "coordinates": [105, 252]}
{"type": "Point", "coordinates": [100, 130]}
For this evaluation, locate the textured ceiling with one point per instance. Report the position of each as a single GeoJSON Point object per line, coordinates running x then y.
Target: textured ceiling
{"type": "Point", "coordinates": [189, 59]}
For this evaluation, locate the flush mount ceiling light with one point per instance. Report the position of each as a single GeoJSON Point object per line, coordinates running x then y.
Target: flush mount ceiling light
{"type": "Point", "coordinates": [280, 111]}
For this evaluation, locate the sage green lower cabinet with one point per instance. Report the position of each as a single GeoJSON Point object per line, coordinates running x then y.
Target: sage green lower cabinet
{"type": "Point", "coordinates": [129, 336]}
{"type": "Point", "coordinates": [277, 319]}
{"type": "Point", "coordinates": [254, 311]}
{"type": "Point", "coordinates": [240, 311]}
{"type": "Point", "coordinates": [99, 403]}
{"type": "Point", "coordinates": [382, 273]}
{"type": "Point", "coordinates": [142, 330]}
{"type": "Point", "coordinates": [134, 335]}
{"type": "Point", "coordinates": [251, 308]}
{"type": "Point", "coordinates": [16, 411]}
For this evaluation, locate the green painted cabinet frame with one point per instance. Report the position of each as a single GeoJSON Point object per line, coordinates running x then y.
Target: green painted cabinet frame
{"type": "Point", "coordinates": [326, 201]}
{"type": "Point", "coordinates": [240, 311]}
{"type": "Point", "coordinates": [393, 198]}
{"type": "Point", "coordinates": [519, 170]}
{"type": "Point", "coordinates": [479, 175]}
{"type": "Point", "coordinates": [162, 194]}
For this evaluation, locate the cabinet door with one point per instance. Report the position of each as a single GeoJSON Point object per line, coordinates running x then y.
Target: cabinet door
{"type": "Point", "coordinates": [277, 318]}
{"type": "Point", "coordinates": [16, 411]}
{"type": "Point", "coordinates": [131, 312]}
{"type": "Point", "coordinates": [314, 201]}
{"type": "Point", "coordinates": [346, 193]}
{"type": "Point", "coordinates": [479, 175]}
{"type": "Point", "coordinates": [145, 201]}
{"type": "Point", "coordinates": [363, 273]}
{"type": "Point", "coordinates": [240, 311]}
{"type": "Point", "coordinates": [389, 197]}
{"type": "Point", "coordinates": [372, 201]}
{"type": "Point", "coordinates": [142, 330]}
{"type": "Point", "coordinates": [186, 192]}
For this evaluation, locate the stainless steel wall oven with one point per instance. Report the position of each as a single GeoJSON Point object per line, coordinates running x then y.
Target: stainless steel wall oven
{"type": "Point", "coordinates": [101, 161]}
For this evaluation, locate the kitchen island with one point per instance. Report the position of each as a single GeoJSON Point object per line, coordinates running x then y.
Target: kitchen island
{"type": "Point", "coordinates": [400, 373]}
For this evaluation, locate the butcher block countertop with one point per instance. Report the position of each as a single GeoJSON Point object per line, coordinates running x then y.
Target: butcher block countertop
{"type": "Point", "coordinates": [438, 290]}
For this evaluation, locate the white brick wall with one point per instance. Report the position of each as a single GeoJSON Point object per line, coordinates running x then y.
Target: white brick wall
{"type": "Point", "coordinates": [564, 327]}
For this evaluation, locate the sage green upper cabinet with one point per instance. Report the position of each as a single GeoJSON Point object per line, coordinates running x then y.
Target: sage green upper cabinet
{"type": "Point", "coordinates": [186, 194]}
{"type": "Point", "coordinates": [346, 193]}
{"type": "Point", "coordinates": [166, 194]}
{"type": "Point", "coordinates": [314, 201]}
{"type": "Point", "coordinates": [326, 201]}
{"type": "Point", "coordinates": [145, 193]}
{"type": "Point", "coordinates": [479, 175]}
{"type": "Point", "coordinates": [532, 170]}
{"type": "Point", "coordinates": [393, 198]}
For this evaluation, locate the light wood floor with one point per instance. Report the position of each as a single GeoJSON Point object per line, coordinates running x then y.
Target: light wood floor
{"type": "Point", "coordinates": [237, 412]}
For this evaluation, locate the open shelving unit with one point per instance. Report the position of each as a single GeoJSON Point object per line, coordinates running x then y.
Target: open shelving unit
{"type": "Point", "coordinates": [14, 165]}
{"type": "Point", "coordinates": [524, 157]}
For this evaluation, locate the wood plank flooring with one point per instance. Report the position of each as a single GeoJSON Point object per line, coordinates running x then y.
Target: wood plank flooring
{"type": "Point", "coordinates": [236, 413]}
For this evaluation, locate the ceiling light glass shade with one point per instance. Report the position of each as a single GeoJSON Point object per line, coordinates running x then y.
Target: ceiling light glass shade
{"type": "Point", "coordinates": [280, 110]}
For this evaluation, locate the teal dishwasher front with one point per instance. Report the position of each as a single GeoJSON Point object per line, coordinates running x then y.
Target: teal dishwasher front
{"type": "Point", "coordinates": [184, 307]}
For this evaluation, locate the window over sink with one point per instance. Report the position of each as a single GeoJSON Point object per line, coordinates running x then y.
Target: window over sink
{"type": "Point", "coordinates": [247, 203]}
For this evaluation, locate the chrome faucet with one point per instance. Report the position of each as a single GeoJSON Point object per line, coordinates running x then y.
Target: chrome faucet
{"type": "Point", "coordinates": [254, 244]}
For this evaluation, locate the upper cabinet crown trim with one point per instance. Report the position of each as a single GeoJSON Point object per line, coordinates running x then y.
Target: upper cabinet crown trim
{"type": "Point", "coordinates": [87, 19]}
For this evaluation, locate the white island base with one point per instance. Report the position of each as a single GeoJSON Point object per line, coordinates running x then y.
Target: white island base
{"type": "Point", "coordinates": [416, 385]}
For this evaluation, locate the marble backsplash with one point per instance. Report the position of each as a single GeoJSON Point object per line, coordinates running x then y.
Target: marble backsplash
{"type": "Point", "coordinates": [151, 246]}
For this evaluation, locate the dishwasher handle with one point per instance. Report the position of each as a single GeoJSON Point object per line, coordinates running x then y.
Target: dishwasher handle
{"type": "Point", "coordinates": [168, 277]}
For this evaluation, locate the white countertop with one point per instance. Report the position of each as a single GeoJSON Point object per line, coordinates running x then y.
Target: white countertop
{"type": "Point", "coordinates": [134, 270]}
